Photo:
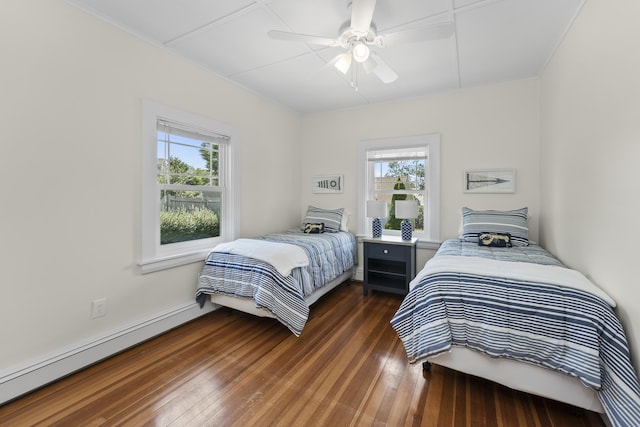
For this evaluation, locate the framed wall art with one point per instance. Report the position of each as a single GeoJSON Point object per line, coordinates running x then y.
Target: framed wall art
{"type": "Point", "coordinates": [328, 184]}
{"type": "Point", "coordinates": [490, 181]}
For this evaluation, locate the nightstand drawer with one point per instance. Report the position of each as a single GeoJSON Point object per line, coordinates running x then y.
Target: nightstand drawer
{"type": "Point", "coordinates": [387, 252]}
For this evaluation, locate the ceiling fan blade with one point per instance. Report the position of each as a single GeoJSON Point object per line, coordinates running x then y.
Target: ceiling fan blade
{"type": "Point", "coordinates": [361, 15]}
{"type": "Point", "coordinates": [430, 32]}
{"type": "Point", "coordinates": [380, 69]}
{"type": "Point", "coordinates": [341, 62]}
{"type": "Point", "coordinates": [369, 65]}
{"type": "Point", "coordinates": [305, 38]}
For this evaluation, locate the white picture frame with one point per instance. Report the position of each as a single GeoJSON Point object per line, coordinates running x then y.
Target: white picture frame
{"type": "Point", "coordinates": [489, 181]}
{"type": "Point", "coordinates": [324, 184]}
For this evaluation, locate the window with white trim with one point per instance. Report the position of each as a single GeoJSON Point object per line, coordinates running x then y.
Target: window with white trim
{"type": "Point", "coordinates": [402, 169]}
{"type": "Point", "coordinates": [187, 197]}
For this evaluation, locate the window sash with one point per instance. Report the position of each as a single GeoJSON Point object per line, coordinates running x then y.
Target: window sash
{"type": "Point", "coordinates": [421, 147]}
{"type": "Point", "coordinates": [153, 255]}
{"type": "Point", "coordinates": [193, 139]}
{"type": "Point", "coordinates": [189, 131]}
{"type": "Point", "coordinates": [379, 160]}
{"type": "Point", "coordinates": [217, 144]}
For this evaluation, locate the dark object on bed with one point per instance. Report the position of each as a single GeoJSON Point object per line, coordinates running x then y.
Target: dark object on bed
{"type": "Point", "coordinates": [498, 240]}
{"type": "Point", "coordinates": [311, 228]}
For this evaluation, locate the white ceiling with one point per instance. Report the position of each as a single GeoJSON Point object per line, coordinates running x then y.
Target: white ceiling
{"type": "Point", "coordinates": [494, 41]}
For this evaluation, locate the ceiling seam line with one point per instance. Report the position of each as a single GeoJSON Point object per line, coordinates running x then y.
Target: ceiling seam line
{"type": "Point", "coordinates": [238, 12]}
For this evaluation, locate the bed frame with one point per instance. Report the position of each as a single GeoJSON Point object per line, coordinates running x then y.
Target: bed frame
{"type": "Point", "coordinates": [249, 306]}
{"type": "Point", "coordinates": [520, 376]}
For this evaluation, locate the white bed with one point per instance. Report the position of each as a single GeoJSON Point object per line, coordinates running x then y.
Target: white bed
{"type": "Point", "coordinates": [281, 274]}
{"type": "Point", "coordinates": [519, 317]}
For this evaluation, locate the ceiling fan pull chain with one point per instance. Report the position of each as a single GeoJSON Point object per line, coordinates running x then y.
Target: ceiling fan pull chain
{"type": "Point", "coordinates": [354, 77]}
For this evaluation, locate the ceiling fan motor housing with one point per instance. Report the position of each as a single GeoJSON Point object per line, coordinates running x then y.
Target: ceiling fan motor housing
{"type": "Point", "coordinates": [348, 37]}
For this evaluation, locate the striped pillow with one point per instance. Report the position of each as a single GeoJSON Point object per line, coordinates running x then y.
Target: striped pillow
{"type": "Point", "coordinates": [331, 218]}
{"type": "Point", "coordinates": [512, 222]}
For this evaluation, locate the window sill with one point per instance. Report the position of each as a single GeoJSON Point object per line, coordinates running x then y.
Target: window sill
{"type": "Point", "coordinates": [157, 264]}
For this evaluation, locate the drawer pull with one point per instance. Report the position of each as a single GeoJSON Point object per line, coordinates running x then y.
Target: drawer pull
{"type": "Point", "coordinates": [386, 251]}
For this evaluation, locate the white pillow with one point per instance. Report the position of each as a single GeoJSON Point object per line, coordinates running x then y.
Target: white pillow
{"type": "Point", "coordinates": [346, 217]}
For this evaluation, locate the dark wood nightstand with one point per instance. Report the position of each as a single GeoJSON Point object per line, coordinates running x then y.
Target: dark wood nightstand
{"type": "Point", "coordinates": [389, 264]}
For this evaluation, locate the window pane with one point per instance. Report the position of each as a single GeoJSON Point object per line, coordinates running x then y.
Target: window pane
{"type": "Point", "coordinates": [189, 215]}
{"type": "Point", "coordinates": [182, 160]}
{"type": "Point", "coordinates": [393, 223]}
{"type": "Point", "coordinates": [400, 180]}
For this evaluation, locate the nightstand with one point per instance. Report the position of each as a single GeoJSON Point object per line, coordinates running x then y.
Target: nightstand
{"type": "Point", "coordinates": [389, 264]}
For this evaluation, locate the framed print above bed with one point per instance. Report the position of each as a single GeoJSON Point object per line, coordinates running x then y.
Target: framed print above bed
{"type": "Point", "coordinates": [328, 184]}
{"type": "Point", "coordinates": [490, 181]}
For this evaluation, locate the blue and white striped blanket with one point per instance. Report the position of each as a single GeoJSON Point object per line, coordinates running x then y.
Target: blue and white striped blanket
{"type": "Point", "coordinates": [534, 318]}
{"type": "Point", "coordinates": [330, 255]}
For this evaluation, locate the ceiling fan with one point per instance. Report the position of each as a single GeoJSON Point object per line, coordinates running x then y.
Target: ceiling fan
{"type": "Point", "coordinates": [358, 35]}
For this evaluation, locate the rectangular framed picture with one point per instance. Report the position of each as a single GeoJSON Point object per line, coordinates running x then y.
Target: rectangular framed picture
{"type": "Point", "coordinates": [490, 181]}
{"type": "Point", "coordinates": [328, 184]}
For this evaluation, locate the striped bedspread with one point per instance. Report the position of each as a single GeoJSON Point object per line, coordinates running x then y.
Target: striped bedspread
{"type": "Point", "coordinates": [330, 254]}
{"type": "Point", "coordinates": [565, 327]}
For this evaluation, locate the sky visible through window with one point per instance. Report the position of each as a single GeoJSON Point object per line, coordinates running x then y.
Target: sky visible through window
{"type": "Point", "coordinates": [188, 153]}
{"type": "Point", "coordinates": [381, 169]}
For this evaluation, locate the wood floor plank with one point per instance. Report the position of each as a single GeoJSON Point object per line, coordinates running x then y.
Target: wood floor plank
{"type": "Point", "coordinates": [348, 368]}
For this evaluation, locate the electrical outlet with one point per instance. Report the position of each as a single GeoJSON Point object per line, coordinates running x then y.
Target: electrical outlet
{"type": "Point", "coordinates": [98, 307]}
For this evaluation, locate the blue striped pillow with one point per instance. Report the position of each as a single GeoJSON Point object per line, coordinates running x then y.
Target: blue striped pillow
{"type": "Point", "coordinates": [331, 218]}
{"type": "Point", "coordinates": [512, 222]}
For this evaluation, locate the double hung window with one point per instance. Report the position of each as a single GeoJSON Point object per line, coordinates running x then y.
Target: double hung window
{"type": "Point", "coordinates": [190, 182]}
{"type": "Point", "coordinates": [187, 192]}
{"type": "Point", "coordinates": [402, 169]}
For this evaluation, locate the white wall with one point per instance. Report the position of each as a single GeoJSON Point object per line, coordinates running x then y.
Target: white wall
{"type": "Point", "coordinates": [590, 146]}
{"type": "Point", "coordinates": [70, 103]}
{"type": "Point", "coordinates": [70, 167]}
{"type": "Point", "coordinates": [490, 127]}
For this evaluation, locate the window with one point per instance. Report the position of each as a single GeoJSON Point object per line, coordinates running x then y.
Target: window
{"type": "Point", "coordinates": [187, 191]}
{"type": "Point", "coordinates": [401, 169]}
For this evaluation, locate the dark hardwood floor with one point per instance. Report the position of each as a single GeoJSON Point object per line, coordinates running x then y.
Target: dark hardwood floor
{"type": "Point", "coordinates": [348, 368]}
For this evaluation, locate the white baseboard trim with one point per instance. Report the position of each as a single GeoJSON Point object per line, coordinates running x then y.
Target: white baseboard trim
{"type": "Point", "coordinates": [359, 275]}
{"type": "Point", "coordinates": [19, 380]}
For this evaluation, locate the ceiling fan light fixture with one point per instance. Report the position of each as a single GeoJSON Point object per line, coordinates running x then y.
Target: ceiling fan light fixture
{"type": "Point", "coordinates": [343, 63]}
{"type": "Point", "coordinates": [360, 52]}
